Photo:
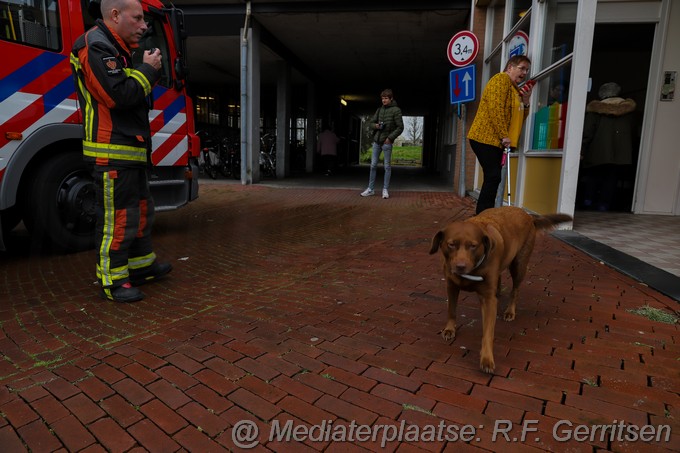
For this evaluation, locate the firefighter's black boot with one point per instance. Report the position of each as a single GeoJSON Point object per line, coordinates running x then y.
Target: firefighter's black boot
{"type": "Point", "coordinates": [123, 293]}
{"type": "Point", "coordinates": [149, 274]}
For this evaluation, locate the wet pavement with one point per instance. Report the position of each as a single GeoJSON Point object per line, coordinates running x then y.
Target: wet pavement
{"type": "Point", "coordinates": [322, 309]}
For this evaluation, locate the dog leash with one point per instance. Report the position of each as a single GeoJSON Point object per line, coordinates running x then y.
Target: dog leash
{"type": "Point", "coordinates": [506, 163]}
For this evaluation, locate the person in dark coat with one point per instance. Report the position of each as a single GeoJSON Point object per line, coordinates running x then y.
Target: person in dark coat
{"type": "Point", "coordinates": [607, 146]}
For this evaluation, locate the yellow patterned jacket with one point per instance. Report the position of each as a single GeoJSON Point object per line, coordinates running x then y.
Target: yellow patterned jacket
{"type": "Point", "coordinates": [494, 120]}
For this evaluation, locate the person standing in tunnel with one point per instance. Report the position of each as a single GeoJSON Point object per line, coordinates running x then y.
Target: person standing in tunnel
{"type": "Point", "coordinates": [327, 147]}
{"type": "Point", "coordinates": [386, 125]}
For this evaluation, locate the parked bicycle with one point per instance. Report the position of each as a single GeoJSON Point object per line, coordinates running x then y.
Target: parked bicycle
{"type": "Point", "coordinates": [207, 159]}
{"type": "Point", "coordinates": [230, 158]}
{"type": "Point", "coordinates": [268, 155]}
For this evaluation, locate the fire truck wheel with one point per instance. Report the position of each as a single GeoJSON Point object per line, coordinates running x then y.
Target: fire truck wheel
{"type": "Point", "coordinates": [61, 204]}
{"type": "Point", "coordinates": [9, 219]}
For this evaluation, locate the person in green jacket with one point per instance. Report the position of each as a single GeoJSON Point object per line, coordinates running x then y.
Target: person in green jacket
{"type": "Point", "coordinates": [494, 127]}
{"type": "Point", "coordinates": [387, 124]}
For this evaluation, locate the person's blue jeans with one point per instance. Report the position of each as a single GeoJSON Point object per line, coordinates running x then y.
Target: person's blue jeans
{"type": "Point", "coordinates": [387, 157]}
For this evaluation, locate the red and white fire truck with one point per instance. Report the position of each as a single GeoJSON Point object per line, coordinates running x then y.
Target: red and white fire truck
{"type": "Point", "coordinates": [43, 179]}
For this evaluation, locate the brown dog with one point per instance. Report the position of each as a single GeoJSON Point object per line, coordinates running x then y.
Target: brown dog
{"type": "Point", "coordinates": [476, 251]}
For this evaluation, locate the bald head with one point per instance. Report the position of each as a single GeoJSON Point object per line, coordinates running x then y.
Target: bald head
{"type": "Point", "coordinates": [125, 18]}
{"type": "Point", "coordinates": [107, 6]}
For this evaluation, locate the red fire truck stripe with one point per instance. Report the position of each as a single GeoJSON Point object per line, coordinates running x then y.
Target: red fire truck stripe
{"type": "Point", "coordinates": [165, 149]}
{"type": "Point", "coordinates": [168, 97]}
{"type": "Point", "coordinates": [18, 60]}
{"type": "Point", "coordinates": [157, 123]}
{"type": "Point", "coordinates": [23, 120]}
{"type": "Point", "coordinates": [49, 79]}
{"type": "Point", "coordinates": [73, 118]}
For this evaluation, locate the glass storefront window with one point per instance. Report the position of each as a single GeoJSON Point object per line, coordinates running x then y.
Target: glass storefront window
{"type": "Point", "coordinates": [497, 24]}
{"type": "Point", "coordinates": [560, 27]}
{"type": "Point", "coordinates": [563, 43]}
{"type": "Point", "coordinates": [552, 93]}
{"type": "Point", "coordinates": [519, 9]}
{"type": "Point", "coordinates": [495, 65]}
{"type": "Point", "coordinates": [551, 69]}
{"type": "Point", "coordinates": [516, 42]}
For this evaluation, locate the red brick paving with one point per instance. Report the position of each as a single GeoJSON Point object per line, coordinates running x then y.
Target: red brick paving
{"type": "Point", "coordinates": [319, 306]}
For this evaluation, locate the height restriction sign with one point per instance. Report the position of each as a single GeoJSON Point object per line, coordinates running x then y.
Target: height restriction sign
{"type": "Point", "coordinates": [462, 48]}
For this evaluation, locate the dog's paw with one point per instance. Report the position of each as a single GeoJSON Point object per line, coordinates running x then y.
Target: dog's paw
{"type": "Point", "coordinates": [448, 334]}
{"type": "Point", "coordinates": [487, 365]}
{"type": "Point", "coordinates": [509, 315]}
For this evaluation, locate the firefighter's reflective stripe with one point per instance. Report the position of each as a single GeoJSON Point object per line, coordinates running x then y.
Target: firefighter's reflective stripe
{"type": "Point", "coordinates": [75, 61]}
{"type": "Point", "coordinates": [109, 151]}
{"type": "Point", "coordinates": [139, 77]}
{"type": "Point", "coordinates": [126, 222]}
{"type": "Point", "coordinates": [104, 270]}
{"type": "Point", "coordinates": [113, 274]}
{"type": "Point", "coordinates": [87, 109]}
{"type": "Point", "coordinates": [140, 262]}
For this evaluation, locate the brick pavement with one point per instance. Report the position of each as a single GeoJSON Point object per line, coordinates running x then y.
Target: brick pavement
{"type": "Point", "coordinates": [319, 306]}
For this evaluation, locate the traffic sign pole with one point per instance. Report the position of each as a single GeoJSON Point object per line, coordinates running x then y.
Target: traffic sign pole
{"type": "Point", "coordinates": [461, 51]}
{"type": "Point", "coordinates": [461, 177]}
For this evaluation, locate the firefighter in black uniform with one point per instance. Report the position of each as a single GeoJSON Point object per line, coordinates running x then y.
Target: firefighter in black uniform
{"type": "Point", "coordinates": [115, 98]}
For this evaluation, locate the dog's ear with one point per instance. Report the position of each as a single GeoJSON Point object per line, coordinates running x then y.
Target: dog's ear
{"type": "Point", "coordinates": [492, 237]}
{"type": "Point", "coordinates": [436, 241]}
{"type": "Point", "coordinates": [486, 241]}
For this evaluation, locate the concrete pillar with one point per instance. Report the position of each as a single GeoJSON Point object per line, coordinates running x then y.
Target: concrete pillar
{"type": "Point", "coordinates": [583, 46]}
{"type": "Point", "coordinates": [250, 112]}
{"type": "Point", "coordinates": [310, 143]}
{"type": "Point", "coordinates": [283, 112]}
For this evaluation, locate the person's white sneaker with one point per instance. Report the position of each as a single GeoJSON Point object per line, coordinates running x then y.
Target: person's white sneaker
{"type": "Point", "coordinates": [368, 193]}
{"type": "Point", "coordinates": [386, 193]}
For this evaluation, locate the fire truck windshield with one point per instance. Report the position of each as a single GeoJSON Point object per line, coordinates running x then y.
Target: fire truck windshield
{"type": "Point", "coordinates": [154, 38]}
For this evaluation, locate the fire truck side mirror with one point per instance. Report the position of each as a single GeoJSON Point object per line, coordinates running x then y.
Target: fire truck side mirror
{"type": "Point", "coordinates": [180, 36]}
{"type": "Point", "coordinates": [180, 69]}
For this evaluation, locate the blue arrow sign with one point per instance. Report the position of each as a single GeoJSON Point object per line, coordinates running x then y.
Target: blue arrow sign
{"type": "Point", "coordinates": [462, 83]}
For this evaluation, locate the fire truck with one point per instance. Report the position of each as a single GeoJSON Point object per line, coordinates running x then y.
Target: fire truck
{"type": "Point", "coordinates": [44, 181]}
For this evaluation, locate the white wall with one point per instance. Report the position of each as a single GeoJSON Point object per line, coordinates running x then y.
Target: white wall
{"type": "Point", "coordinates": [659, 192]}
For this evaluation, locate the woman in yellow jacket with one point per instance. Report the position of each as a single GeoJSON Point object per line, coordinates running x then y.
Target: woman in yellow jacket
{"type": "Point", "coordinates": [498, 123]}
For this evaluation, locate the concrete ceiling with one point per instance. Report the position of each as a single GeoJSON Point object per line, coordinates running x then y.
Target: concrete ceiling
{"type": "Point", "coordinates": [348, 48]}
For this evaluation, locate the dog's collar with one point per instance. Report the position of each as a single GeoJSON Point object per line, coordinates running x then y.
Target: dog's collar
{"type": "Point", "coordinates": [474, 278]}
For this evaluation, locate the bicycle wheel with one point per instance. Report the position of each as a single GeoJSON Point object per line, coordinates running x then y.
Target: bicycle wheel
{"type": "Point", "coordinates": [225, 168]}
{"type": "Point", "coordinates": [208, 166]}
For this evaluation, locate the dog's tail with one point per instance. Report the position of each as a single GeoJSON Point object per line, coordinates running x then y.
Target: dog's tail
{"type": "Point", "coordinates": [549, 221]}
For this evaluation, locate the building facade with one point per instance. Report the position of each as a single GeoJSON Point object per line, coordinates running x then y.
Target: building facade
{"type": "Point", "coordinates": [575, 47]}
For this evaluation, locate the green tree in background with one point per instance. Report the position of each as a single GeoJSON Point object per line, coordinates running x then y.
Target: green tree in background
{"type": "Point", "coordinates": [411, 154]}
